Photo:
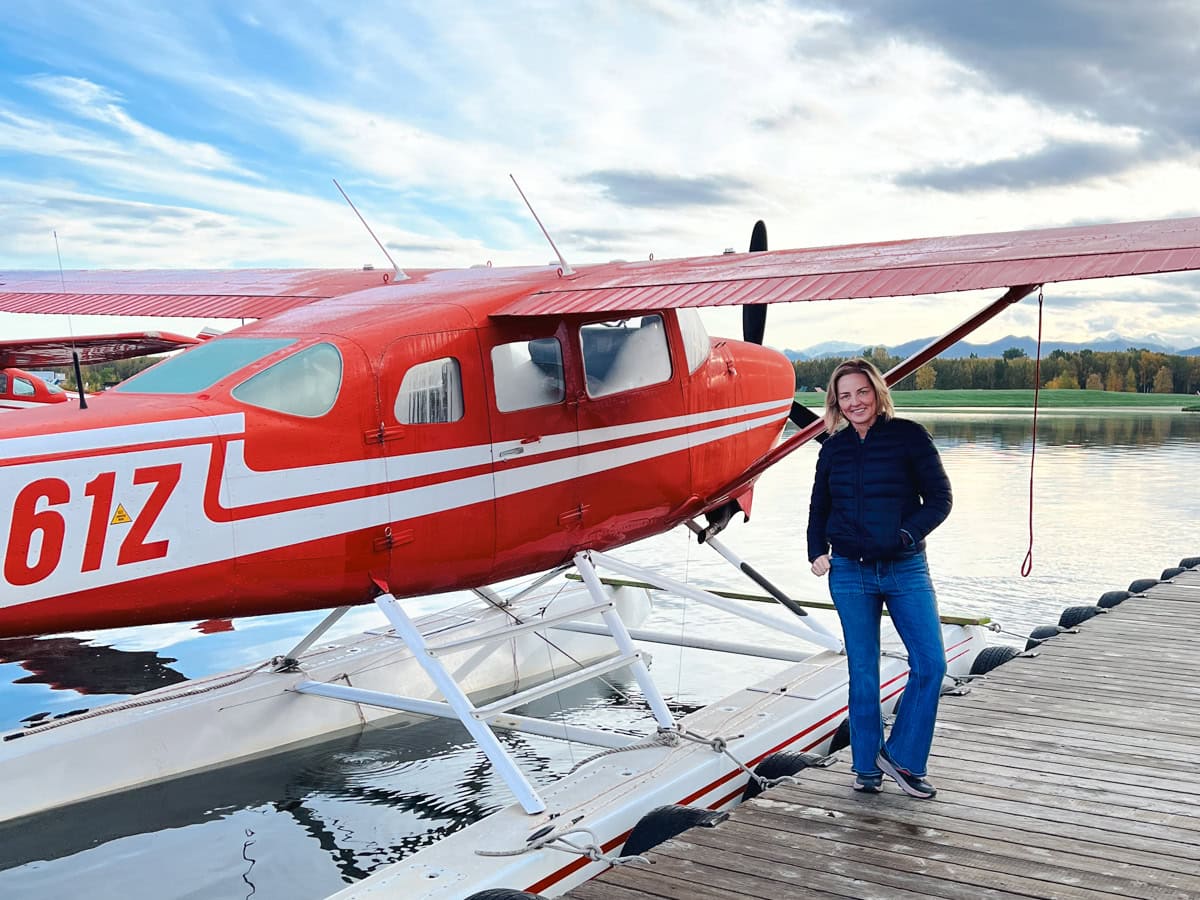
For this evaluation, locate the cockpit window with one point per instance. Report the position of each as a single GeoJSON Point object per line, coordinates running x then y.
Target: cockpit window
{"type": "Point", "coordinates": [625, 354]}
{"type": "Point", "coordinates": [696, 344]}
{"type": "Point", "coordinates": [201, 367]}
{"type": "Point", "coordinates": [23, 387]}
{"type": "Point", "coordinates": [528, 374]}
{"type": "Point", "coordinates": [303, 384]}
{"type": "Point", "coordinates": [50, 386]}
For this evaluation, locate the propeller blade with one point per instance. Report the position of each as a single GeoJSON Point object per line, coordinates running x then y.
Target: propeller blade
{"type": "Point", "coordinates": [802, 415]}
{"type": "Point", "coordinates": [754, 316]}
{"type": "Point", "coordinates": [758, 237]}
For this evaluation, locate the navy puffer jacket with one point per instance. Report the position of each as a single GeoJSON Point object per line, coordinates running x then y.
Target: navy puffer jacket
{"type": "Point", "coordinates": [868, 492]}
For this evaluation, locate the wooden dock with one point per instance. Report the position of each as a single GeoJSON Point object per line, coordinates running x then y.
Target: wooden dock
{"type": "Point", "coordinates": [1072, 774]}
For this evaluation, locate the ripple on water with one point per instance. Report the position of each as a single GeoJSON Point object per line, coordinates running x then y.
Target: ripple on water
{"type": "Point", "coordinates": [347, 767]}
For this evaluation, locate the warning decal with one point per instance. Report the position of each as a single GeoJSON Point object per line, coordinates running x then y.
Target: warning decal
{"type": "Point", "coordinates": [120, 517]}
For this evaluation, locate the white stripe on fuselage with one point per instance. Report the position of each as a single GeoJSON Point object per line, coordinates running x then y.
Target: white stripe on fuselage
{"type": "Point", "coordinates": [195, 539]}
{"type": "Point", "coordinates": [528, 478]}
{"type": "Point", "coordinates": [114, 437]}
{"type": "Point", "coordinates": [244, 486]}
{"type": "Point", "coordinates": [10, 405]}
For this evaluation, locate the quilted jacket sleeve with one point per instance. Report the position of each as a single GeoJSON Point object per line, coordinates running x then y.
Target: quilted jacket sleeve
{"type": "Point", "coordinates": [933, 486]}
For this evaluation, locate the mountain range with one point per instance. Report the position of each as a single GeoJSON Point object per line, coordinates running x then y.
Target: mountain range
{"type": "Point", "coordinates": [995, 349]}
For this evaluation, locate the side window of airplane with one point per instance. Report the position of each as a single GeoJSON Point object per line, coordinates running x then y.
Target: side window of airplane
{"type": "Point", "coordinates": [696, 344]}
{"type": "Point", "coordinates": [623, 355]}
{"type": "Point", "coordinates": [528, 374]}
{"type": "Point", "coordinates": [3, 383]}
{"type": "Point", "coordinates": [303, 384]}
{"type": "Point", "coordinates": [22, 387]}
{"type": "Point", "coordinates": [430, 392]}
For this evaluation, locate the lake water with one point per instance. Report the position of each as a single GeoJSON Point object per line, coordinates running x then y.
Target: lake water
{"type": "Point", "coordinates": [1115, 498]}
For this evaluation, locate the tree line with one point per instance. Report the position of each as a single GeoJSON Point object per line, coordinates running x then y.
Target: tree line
{"type": "Point", "coordinates": [100, 376]}
{"type": "Point", "coordinates": [1132, 370]}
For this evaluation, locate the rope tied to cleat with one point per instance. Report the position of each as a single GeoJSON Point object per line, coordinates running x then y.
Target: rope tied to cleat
{"type": "Point", "coordinates": [549, 838]}
{"type": "Point", "coordinates": [721, 745]}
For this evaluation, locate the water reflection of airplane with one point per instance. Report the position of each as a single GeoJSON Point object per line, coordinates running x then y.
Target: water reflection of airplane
{"type": "Point", "coordinates": [73, 664]}
{"type": "Point", "coordinates": [364, 799]}
{"type": "Point", "coordinates": [456, 429]}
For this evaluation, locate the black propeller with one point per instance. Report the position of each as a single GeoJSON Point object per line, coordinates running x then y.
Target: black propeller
{"type": "Point", "coordinates": [754, 315]}
{"type": "Point", "coordinates": [754, 326]}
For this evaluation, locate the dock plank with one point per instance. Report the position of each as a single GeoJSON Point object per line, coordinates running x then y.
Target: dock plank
{"type": "Point", "coordinates": [1065, 774]}
{"type": "Point", "coordinates": [948, 823]}
{"type": "Point", "coordinates": [944, 870]}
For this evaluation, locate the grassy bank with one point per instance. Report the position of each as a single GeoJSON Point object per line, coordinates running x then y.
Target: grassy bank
{"type": "Point", "coordinates": [1018, 399]}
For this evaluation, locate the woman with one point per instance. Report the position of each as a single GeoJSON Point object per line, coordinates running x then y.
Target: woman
{"type": "Point", "coordinates": [880, 489]}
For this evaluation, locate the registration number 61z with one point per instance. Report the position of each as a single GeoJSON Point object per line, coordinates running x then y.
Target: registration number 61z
{"type": "Point", "coordinates": [37, 522]}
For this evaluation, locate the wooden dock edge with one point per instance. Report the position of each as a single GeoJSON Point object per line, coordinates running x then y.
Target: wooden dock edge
{"type": "Point", "coordinates": [1065, 774]}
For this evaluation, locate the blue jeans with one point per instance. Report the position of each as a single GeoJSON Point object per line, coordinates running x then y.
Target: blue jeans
{"type": "Point", "coordinates": [859, 591]}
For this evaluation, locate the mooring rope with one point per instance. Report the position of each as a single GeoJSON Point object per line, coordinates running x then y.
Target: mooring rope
{"type": "Point", "coordinates": [143, 701]}
{"type": "Point", "coordinates": [1027, 565]}
{"type": "Point", "coordinates": [557, 840]}
{"type": "Point", "coordinates": [664, 738]}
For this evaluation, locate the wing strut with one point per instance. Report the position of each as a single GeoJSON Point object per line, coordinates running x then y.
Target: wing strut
{"type": "Point", "coordinates": [902, 370]}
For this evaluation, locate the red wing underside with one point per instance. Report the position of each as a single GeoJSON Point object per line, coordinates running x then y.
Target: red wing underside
{"type": "Point", "coordinates": [33, 352]}
{"type": "Point", "coordinates": [197, 294]}
{"type": "Point", "coordinates": [853, 271]}
{"type": "Point", "coordinates": [894, 269]}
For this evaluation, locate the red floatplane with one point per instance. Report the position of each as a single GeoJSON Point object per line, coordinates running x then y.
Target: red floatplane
{"type": "Point", "coordinates": [377, 436]}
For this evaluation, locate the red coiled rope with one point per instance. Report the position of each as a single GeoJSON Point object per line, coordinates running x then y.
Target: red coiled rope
{"type": "Point", "coordinates": [1027, 565]}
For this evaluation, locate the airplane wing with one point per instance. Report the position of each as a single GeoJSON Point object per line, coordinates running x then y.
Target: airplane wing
{"type": "Point", "coordinates": [892, 269]}
{"type": "Point", "coordinates": [32, 352]}
{"type": "Point", "coordinates": [196, 293]}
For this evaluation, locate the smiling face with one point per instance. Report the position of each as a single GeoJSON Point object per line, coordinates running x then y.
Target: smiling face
{"type": "Point", "coordinates": [857, 401]}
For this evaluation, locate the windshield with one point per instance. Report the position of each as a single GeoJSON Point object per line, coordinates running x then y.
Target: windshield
{"type": "Point", "coordinates": [201, 367]}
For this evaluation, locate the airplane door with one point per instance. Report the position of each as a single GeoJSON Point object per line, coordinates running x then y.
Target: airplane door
{"type": "Point", "coordinates": [436, 446]}
{"type": "Point", "coordinates": [302, 482]}
{"type": "Point", "coordinates": [634, 446]}
{"type": "Point", "coordinates": [533, 386]}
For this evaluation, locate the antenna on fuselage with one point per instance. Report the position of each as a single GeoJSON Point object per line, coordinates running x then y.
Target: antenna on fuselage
{"type": "Point", "coordinates": [399, 272]}
{"type": "Point", "coordinates": [564, 266]}
{"type": "Point", "coordinates": [62, 279]}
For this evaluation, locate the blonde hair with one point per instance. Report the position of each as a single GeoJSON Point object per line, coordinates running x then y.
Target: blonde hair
{"type": "Point", "coordinates": [884, 407]}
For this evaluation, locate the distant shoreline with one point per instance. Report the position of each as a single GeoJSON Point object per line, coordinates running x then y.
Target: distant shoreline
{"type": "Point", "coordinates": [1018, 399]}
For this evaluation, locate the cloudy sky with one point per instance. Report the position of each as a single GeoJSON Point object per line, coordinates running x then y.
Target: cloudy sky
{"type": "Point", "coordinates": [206, 134]}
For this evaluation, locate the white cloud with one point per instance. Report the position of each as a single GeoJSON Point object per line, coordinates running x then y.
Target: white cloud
{"type": "Point", "coordinates": [823, 128]}
{"type": "Point", "coordinates": [91, 101]}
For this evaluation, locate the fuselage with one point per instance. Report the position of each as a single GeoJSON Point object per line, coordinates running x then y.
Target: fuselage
{"type": "Point", "coordinates": [401, 437]}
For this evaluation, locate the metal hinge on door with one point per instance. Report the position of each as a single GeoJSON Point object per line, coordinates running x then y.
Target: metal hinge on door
{"type": "Point", "coordinates": [392, 539]}
{"type": "Point", "coordinates": [573, 515]}
{"type": "Point", "coordinates": [383, 434]}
